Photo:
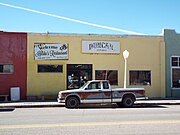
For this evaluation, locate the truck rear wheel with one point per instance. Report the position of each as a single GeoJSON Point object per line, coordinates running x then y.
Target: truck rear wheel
{"type": "Point", "coordinates": [128, 101]}
{"type": "Point", "coordinates": [72, 102]}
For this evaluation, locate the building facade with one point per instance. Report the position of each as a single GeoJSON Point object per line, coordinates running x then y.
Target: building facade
{"type": "Point", "coordinates": [172, 45]}
{"type": "Point", "coordinates": [65, 61]}
{"type": "Point", "coordinates": [13, 62]}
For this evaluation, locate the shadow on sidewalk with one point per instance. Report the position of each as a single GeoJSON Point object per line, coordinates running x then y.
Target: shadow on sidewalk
{"type": "Point", "coordinates": [7, 109]}
{"type": "Point", "coordinates": [91, 106]}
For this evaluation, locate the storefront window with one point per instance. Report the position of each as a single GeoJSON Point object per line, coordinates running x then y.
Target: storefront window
{"type": "Point", "coordinates": [50, 68]}
{"type": "Point", "coordinates": [111, 75]}
{"type": "Point", "coordinates": [175, 65]}
{"type": "Point", "coordinates": [176, 78]}
{"type": "Point", "coordinates": [6, 68]}
{"type": "Point", "coordinates": [78, 75]}
{"type": "Point", "coordinates": [140, 77]}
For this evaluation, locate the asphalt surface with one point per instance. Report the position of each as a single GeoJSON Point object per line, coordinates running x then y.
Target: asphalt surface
{"type": "Point", "coordinates": [139, 120]}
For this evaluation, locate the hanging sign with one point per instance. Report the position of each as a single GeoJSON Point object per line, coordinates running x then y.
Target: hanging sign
{"type": "Point", "coordinates": [101, 47]}
{"type": "Point", "coordinates": [45, 51]}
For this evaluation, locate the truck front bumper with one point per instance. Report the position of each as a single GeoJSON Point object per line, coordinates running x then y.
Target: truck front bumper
{"type": "Point", "coordinates": [60, 100]}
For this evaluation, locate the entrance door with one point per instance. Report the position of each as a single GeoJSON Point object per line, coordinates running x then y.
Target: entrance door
{"type": "Point", "coordinates": [78, 74]}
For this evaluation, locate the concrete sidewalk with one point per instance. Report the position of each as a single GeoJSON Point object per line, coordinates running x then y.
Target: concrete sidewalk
{"type": "Point", "coordinates": [31, 104]}
{"type": "Point", "coordinates": [36, 104]}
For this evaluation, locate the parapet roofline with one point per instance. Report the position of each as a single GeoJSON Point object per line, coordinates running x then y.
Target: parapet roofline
{"type": "Point", "coordinates": [101, 35]}
{"type": "Point", "coordinates": [1, 32]}
{"type": "Point", "coordinates": [78, 34]}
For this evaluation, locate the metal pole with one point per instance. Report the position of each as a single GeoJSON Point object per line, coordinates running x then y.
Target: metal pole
{"type": "Point", "coordinates": [125, 65]}
{"type": "Point", "coordinates": [125, 55]}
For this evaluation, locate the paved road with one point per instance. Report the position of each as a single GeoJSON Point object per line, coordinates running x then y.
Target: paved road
{"type": "Point", "coordinates": [161, 120]}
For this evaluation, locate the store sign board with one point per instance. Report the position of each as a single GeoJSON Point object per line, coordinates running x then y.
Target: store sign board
{"type": "Point", "coordinates": [45, 51]}
{"type": "Point", "coordinates": [101, 46]}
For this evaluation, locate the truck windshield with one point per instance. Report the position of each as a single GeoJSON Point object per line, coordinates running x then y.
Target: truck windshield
{"type": "Point", "coordinates": [84, 85]}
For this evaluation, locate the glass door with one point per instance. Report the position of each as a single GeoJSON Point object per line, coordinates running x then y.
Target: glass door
{"type": "Point", "coordinates": [78, 74]}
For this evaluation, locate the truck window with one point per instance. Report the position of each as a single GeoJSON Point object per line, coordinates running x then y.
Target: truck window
{"type": "Point", "coordinates": [94, 85]}
{"type": "Point", "coordinates": [105, 85]}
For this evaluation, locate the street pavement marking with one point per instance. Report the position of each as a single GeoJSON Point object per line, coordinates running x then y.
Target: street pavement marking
{"type": "Point", "coordinates": [89, 124]}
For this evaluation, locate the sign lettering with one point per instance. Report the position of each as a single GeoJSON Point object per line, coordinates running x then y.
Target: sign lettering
{"type": "Point", "coordinates": [101, 47]}
{"type": "Point", "coordinates": [50, 51]}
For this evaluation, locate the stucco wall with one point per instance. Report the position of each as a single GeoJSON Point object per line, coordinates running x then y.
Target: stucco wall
{"type": "Point", "coordinates": [146, 53]}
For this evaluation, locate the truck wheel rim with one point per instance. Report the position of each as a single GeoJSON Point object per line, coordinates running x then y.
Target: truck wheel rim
{"type": "Point", "coordinates": [72, 103]}
{"type": "Point", "coordinates": [128, 102]}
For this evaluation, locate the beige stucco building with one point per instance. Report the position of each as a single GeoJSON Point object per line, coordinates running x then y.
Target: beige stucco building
{"type": "Point", "coordinates": [64, 61]}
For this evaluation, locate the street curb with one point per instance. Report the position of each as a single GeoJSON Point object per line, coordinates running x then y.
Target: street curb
{"type": "Point", "coordinates": [32, 106]}
{"type": "Point", "coordinates": [54, 104]}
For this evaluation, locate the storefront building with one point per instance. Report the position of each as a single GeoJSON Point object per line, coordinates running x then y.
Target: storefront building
{"type": "Point", "coordinates": [13, 63]}
{"type": "Point", "coordinates": [172, 45]}
{"type": "Point", "coordinates": [65, 61]}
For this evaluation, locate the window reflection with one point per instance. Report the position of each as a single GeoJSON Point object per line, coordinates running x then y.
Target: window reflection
{"type": "Point", "coordinates": [111, 75]}
{"type": "Point", "coordinates": [6, 68]}
{"type": "Point", "coordinates": [140, 77]}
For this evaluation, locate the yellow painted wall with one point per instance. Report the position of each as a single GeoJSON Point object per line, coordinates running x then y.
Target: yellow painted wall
{"type": "Point", "coordinates": [146, 53]}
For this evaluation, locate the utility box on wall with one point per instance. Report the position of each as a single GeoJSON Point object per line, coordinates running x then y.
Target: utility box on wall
{"type": "Point", "coordinates": [15, 93]}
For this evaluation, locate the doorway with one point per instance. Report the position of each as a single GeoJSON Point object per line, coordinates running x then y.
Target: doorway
{"type": "Point", "coordinates": [78, 74]}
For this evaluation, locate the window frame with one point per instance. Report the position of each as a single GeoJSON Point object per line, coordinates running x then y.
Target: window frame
{"type": "Point", "coordinates": [49, 65]}
{"type": "Point", "coordinates": [139, 83]}
{"type": "Point", "coordinates": [105, 83]}
{"type": "Point", "coordinates": [9, 69]}
{"type": "Point", "coordinates": [92, 83]}
{"type": "Point", "coordinates": [174, 67]}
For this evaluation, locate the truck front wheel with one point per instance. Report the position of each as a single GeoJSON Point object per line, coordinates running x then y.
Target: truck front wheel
{"type": "Point", "coordinates": [128, 101]}
{"type": "Point", "coordinates": [72, 102]}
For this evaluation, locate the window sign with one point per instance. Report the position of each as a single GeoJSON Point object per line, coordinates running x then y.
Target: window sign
{"type": "Point", "coordinates": [50, 51]}
{"type": "Point", "coordinates": [101, 47]}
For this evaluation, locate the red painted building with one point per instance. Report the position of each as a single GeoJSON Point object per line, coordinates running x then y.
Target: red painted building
{"type": "Point", "coordinates": [13, 62]}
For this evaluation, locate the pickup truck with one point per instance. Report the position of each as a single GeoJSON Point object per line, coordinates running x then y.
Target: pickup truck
{"type": "Point", "coordinates": [100, 91]}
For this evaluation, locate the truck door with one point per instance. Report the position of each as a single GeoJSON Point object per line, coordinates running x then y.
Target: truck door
{"type": "Point", "coordinates": [107, 93]}
{"type": "Point", "coordinates": [93, 93]}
